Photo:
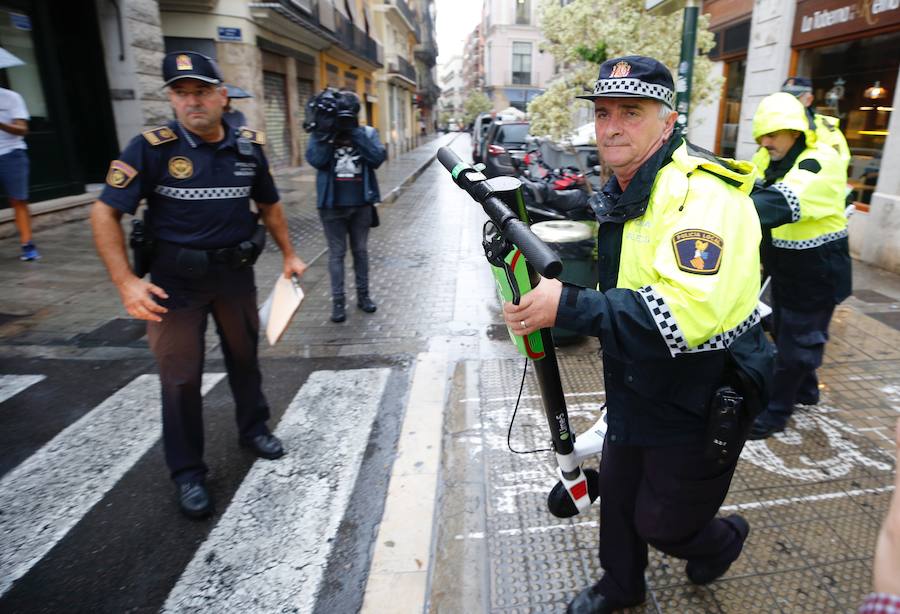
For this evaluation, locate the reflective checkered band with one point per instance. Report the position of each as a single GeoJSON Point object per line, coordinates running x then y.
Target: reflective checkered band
{"type": "Point", "coordinates": [809, 243]}
{"type": "Point", "coordinates": [673, 336]}
{"type": "Point", "coordinates": [635, 87]}
{"type": "Point", "coordinates": [202, 193]}
{"type": "Point", "coordinates": [664, 319]}
{"type": "Point", "coordinates": [791, 198]}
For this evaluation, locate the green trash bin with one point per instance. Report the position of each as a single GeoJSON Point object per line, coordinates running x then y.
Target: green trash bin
{"type": "Point", "coordinates": [576, 245]}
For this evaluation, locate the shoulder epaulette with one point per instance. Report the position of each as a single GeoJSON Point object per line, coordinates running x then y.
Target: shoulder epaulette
{"type": "Point", "coordinates": [158, 136]}
{"type": "Point", "coordinates": [254, 136]}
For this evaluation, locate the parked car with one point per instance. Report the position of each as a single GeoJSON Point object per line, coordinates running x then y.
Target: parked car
{"type": "Point", "coordinates": [503, 140]}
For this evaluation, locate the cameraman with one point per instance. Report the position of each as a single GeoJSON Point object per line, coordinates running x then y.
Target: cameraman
{"type": "Point", "coordinates": [346, 156]}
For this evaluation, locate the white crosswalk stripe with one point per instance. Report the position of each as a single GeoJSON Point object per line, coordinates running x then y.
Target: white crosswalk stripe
{"type": "Point", "coordinates": [11, 385]}
{"type": "Point", "coordinates": [269, 550]}
{"type": "Point", "coordinates": [45, 496]}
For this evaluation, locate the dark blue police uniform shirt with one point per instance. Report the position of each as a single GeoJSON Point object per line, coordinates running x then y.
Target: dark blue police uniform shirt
{"type": "Point", "coordinates": [198, 193]}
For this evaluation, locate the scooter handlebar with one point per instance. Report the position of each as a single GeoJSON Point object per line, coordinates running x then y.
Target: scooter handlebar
{"type": "Point", "coordinates": [537, 253]}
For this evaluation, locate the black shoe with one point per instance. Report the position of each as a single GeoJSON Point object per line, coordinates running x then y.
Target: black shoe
{"type": "Point", "coordinates": [194, 500]}
{"type": "Point", "coordinates": [763, 429]}
{"type": "Point", "coordinates": [592, 601]}
{"type": "Point", "coordinates": [265, 446]}
{"type": "Point", "coordinates": [338, 310]}
{"type": "Point", "coordinates": [813, 400]}
{"type": "Point", "coordinates": [365, 303]}
{"type": "Point", "coordinates": [704, 573]}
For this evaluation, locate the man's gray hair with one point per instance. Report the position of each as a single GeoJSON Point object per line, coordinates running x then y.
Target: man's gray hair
{"type": "Point", "coordinates": [664, 111]}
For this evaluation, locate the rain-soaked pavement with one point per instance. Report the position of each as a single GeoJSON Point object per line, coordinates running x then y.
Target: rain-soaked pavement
{"type": "Point", "coordinates": [814, 495]}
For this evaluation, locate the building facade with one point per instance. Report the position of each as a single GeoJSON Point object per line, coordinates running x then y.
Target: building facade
{"type": "Point", "coordinates": [473, 61]}
{"type": "Point", "coordinates": [515, 69]}
{"type": "Point", "coordinates": [395, 23]}
{"type": "Point", "coordinates": [453, 88]}
{"type": "Point", "coordinates": [426, 52]}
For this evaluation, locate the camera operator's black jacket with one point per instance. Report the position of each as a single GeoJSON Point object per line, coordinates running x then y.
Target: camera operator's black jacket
{"type": "Point", "coordinates": [320, 154]}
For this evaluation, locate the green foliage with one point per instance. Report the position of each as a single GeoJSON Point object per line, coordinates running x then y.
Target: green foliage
{"type": "Point", "coordinates": [476, 102]}
{"type": "Point", "coordinates": [595, 55]}
{"type": "Point", "coordinates": [612, 28]}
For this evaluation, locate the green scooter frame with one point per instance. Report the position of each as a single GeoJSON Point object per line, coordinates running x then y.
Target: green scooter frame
{"type": "Point", "coordinates": [518, 259]}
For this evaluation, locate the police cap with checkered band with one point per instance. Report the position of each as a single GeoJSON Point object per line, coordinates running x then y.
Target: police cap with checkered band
{"type": "Point", "coordinates": [190, 65]}
{"type": "Point", "coordinates": [634, 76]}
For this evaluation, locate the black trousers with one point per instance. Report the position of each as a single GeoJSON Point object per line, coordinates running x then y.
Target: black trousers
{"type": "Point", "coordinates": [178, 343]}
{"type": "Point", "coordinates": [800, 337]}
{"type": "Point", "coordinates": [666, 497]}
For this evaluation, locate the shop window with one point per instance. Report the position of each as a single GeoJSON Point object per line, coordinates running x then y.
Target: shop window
{"type": "Point", "coordinates": [521, 63]}
{"type": "Point", "coordinates": [350, 81]}
{"type": "Point", "coordinates": [332, 75]}
{"type": "Point", "coordinates": [855, 82]}
{"type": "Point", "coordinates": [735, 72]}
{"type": "Point", "coordinates": [15, 37]}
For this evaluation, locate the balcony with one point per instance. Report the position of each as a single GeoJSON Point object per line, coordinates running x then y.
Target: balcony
{"type": "Point", "coordinates": [407, 13]}
{"type": "Point", "coordinates": [355, 40]}
{"type": "Point", "coordinates": [403, 68]}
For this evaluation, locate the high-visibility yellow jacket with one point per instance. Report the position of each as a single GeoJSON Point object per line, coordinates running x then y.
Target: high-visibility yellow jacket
{"type": "Point", "coordinates": [676, 305]}
{"type": "Point", "coordinates": [801, 201]}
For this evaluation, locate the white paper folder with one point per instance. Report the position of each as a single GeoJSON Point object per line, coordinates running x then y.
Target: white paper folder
{"type": "Point", "coordinates": [276, 312]}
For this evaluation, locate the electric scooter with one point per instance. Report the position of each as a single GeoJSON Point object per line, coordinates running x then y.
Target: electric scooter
{"type": "Point", "coordinates": [518, 258]}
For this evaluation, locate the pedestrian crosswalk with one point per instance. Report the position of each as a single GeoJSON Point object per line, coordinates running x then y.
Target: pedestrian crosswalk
{"type": "Point", "coordinates": [269, 547]}
{"type": "Point", "coordinates": [11, 385]}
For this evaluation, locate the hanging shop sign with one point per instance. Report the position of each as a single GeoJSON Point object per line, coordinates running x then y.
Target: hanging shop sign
{"type": "Point", "coordinates": [818, 20]}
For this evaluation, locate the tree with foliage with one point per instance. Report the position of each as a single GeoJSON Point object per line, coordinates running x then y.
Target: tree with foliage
{"type": "Point", "coordinates": [476, 102]}
{"type": "Point", "coordinates": [584, 33]}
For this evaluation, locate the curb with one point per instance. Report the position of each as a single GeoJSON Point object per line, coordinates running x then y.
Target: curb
{"type": "Point", "coordinates": [397, 191]}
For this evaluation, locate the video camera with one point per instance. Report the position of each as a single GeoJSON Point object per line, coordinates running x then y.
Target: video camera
{"type": "Point", "coordinates": [332, 111]}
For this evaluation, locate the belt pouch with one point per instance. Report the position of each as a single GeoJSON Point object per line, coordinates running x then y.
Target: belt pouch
{"type": "Point", "coordinates": [191, 263]}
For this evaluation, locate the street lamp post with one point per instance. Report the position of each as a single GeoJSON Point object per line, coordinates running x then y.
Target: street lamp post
{"type": "Point", "coordinates": [688, 51]}
{"type": "Point", "coordinates": [686, 63]}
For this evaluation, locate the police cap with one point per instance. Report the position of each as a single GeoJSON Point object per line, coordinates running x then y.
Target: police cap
{"type": "Point", "coordinates": [190, 65]}
{"type": "Point", "coordinates": [797, 86]}
{"type": "Point", "coordinates": [634, 76]}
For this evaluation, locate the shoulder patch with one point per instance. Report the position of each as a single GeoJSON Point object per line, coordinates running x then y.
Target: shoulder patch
{"type": "Point", "coordinates": [810, 165]}
{"type": "Point", "coordinates": [120, 174]}
{"type": "Point", "coordinates": [160, 135]}
{"type": "Point", "coordinates": [254, 136]}
{"type": "Point", "coordinates": [698, 251]}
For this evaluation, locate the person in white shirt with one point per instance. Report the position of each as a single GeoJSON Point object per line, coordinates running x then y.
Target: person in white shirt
{"type": "Point", "coordinates": [14, 165]}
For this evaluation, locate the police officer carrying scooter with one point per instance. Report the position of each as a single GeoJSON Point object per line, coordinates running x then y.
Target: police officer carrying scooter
{"type": "Point", "coordinates": [200, 178]}
{"type": "Point", "coordinates": [685, 361]}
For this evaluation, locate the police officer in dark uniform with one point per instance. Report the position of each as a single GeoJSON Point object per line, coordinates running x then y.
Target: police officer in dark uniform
{"type": "Point", "coordinates": [198, 176]}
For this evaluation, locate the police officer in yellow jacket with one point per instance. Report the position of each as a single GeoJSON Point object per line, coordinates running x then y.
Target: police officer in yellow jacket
{"type": "Point", "coordinates": [676, 313]}
{"type": "Point", "coordinates": [801, 203]}
{"type": "Point", "coordinates": [828, 128]}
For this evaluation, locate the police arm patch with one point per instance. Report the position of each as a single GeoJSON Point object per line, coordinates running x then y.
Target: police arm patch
{"type": "Point", "coordinates": [120, 174]}
{"type": "Point", "coordinates": [698, 251]}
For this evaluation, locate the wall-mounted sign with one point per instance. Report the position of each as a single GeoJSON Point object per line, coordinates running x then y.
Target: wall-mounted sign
{"type": "Point", "coordinates": [823, 19]}
{"type": "Point", "coordinates": [230, 34]}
